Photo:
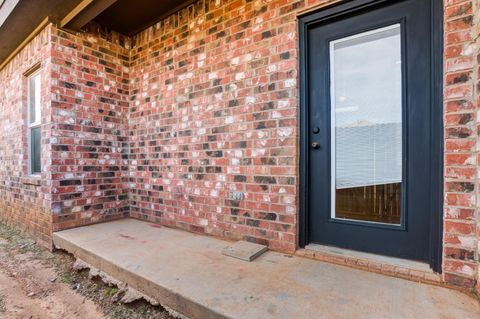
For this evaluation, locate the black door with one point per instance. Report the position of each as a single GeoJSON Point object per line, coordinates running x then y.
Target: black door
{"type": "Point", "coordinates": [368, 129]}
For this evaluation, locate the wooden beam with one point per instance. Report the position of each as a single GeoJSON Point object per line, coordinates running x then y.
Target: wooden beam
{"type": "Point", "coordinates": [29, 38]}
{"type": "Point", "coordinates": [72, 14]}
{"type": "Point", "coordinates": [85, 12]}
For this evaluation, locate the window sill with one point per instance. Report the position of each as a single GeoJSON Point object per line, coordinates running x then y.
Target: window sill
{"type": "Point", "coordinates": [35, 180]}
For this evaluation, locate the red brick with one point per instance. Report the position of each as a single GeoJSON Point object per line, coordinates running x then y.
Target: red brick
{"type": "Point", "coordinates": [456, 227]}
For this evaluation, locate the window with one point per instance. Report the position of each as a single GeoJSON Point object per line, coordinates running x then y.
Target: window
{"type": "Point", "coordinates": [34, 123]}
{"type": "Point", "coordinates": [366, 85]}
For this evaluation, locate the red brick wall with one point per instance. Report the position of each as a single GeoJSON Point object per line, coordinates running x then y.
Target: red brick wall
{"type": "Point", "coordinates": [24, 201]}
{"type": "Point", "coordinates": [89, 138]}
{"type": "Point", "coordinates": [214, 111]}
{"type": "Point", "coordinates": [84, 137]}
{"type": "Point", "coordinates": [476, 30]}
{"type": "Point", "coordinates": [461, 135]}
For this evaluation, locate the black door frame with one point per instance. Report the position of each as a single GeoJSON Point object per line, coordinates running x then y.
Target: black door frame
{"type": "Point", "coordinates": [436, 151]}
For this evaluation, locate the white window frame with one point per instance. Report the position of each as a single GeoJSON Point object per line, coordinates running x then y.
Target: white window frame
{"type": "Point", "coordinates": [33, 125]}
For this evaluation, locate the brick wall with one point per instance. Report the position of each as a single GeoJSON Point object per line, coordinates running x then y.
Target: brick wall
{"type": "Point", "coordinates": [89, 138]}
{"type": "Point", "coordinates": [476, 31]}
{"type": "Point", "coordinates": [84, 138]}
{"type": "Point", "coordinates": [461, 151]}
{"type": "Point", "coordinates": [214, 111]}
{"type": "Point", "coordinates": [24, 201]}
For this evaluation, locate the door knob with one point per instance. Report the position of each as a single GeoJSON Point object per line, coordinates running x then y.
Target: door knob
{"type": "Point", "coordinates": [315, 145]}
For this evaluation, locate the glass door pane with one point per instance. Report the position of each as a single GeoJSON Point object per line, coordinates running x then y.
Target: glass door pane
{"type": "Point", "coordinates": [366, 122]}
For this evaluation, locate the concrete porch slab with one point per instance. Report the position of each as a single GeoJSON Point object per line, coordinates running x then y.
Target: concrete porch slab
{"type": "Point", "coordinates": [189, 274]}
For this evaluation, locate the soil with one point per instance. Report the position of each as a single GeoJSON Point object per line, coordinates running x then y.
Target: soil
{"type": "Point", "coordinates": [36, 284]}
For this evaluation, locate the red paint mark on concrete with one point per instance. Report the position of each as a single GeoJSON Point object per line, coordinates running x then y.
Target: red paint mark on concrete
{"type": "Point", "coordinates": [127, 236]}
{"type": "Point", "coordinates": [156, 225]}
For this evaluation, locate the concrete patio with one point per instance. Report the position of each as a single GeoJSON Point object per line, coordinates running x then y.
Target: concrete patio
{"type": "Point", "coordinates": [189, 274]}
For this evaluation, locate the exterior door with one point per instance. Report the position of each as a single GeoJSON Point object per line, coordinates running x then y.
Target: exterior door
{"type": "Point", "coordinates": [368, 124]}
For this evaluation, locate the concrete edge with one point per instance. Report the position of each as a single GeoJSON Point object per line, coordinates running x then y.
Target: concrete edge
{"type": "Point", "coordinates": [162, 295]}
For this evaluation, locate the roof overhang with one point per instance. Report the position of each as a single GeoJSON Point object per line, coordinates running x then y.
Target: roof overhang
{"type": "Point", "coordinates": [21, 19]}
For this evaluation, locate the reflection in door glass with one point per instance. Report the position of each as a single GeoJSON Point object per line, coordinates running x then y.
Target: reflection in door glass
{"type": "Point", "coordinates": [366, 121]}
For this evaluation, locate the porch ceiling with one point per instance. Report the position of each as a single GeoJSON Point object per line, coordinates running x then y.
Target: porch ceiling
{"type": "Point", "coordinates": [129, 17]}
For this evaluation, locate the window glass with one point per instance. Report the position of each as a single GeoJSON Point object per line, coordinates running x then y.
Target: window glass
{"type": "Point", "coordinates": [35, 149]}
{"type": "Point", "coordinates": [366, 94]}
{"type": "Point", "coordinates": [34, 121]}
{"type": "Point", "coordinates": [34, 98]}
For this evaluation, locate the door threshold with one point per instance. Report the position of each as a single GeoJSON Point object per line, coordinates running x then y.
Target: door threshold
{"type": "Point", "coordinates": [399, 262]}
{"type": "Point", "coordinates": [390, 266]}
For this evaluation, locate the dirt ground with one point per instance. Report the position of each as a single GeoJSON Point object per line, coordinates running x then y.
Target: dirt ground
{"type": "Point", "coordinates": [38, 284]}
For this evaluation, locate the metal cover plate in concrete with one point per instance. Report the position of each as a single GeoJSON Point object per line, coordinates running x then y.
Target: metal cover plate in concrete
{"type": "Point", "coordinates": [244, 250]}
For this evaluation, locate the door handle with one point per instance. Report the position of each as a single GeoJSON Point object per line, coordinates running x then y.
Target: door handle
{"type": "Point", "coordinates": [315, 145]}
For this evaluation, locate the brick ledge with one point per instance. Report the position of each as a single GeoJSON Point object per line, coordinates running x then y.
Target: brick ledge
{"type": "Point", "coordinates": [368, 264]}
{"type": "Point", "coordinates": [32, 180]}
